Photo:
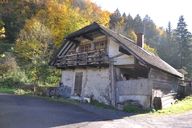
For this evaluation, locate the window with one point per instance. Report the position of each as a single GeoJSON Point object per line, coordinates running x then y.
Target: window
{"type": "Point", "coordinates": [72, 51]}
{"type": "Point", "coordinates": [100, 45]}
{"type": "Point", "coordinates": [85, 48]}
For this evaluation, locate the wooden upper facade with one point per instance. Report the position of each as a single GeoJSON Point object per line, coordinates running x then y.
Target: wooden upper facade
{"type": "Point", "coordinates": [95, 45]}
{"type": "Point", "coordinates": [85, 50]}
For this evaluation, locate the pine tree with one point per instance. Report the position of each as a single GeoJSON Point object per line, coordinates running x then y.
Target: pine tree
{"type": "Point", "coordinates": [129, 23]}
{"type": "Point", "coordinates": [169, 47]}
{"type": "Point", "coordinates": [114, 19]}
{"type": "Point", "coordinates": [183, 37]}
{"type": "Point", "coordinates": [169, 30]}
{"type": "Point", "coordinates": [138, 24]}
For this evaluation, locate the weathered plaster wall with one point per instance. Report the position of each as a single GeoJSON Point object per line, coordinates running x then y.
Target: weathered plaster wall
{"type": "Point", "coordinates": [113, 50]}
{"type": "Point", "coordinates": [95, 83]}
{"type": "Point", "coordinates": [68, 78]}
{"type": "Point", "coordinates": [139, 90]}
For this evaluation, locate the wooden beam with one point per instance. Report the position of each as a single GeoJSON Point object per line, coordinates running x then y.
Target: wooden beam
{"type": "Point", "coordinates": [122, 50]}
{"type": "Point", "coordinates": [75, 41]}
{"type": "Point", "coordinates": [87, 37]}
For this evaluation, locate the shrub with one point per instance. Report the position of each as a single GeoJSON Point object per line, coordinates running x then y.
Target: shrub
{"type": "Point", "coordinates": [11, 82]}
{"type": "Point", "coordinates": [22, 92]}
{"type": "Point", "coordinates": [133, 107]}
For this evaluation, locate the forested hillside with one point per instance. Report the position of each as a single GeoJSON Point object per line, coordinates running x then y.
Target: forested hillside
{"type": "Point", "coordinates": [31, 30]}
{"type": "Point", "coordinates": [172, 45]}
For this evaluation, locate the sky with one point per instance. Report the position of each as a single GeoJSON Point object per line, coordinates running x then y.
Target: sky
{"type": "Point", "coordinates": [160, 11]}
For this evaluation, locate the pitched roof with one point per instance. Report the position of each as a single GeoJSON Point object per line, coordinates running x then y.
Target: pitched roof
{"type": "Point", "coordinates": [128, 45]}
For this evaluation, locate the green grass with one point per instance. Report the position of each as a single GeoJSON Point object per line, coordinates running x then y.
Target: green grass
{"type": "Point", "coordinates": [60, 99]}
{"type": "Point", "coordinates": [134, 109]}
{"type": "Point", "coordinates": [16, 91]}
{"type": "Point", "coordinates": [7, 90]}
{"type": "Point", "coordinates": [180, 107]}
{"type": "Point", "coordinates": [101, 105]}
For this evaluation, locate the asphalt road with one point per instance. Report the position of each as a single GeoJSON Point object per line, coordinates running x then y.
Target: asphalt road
{"type": "Point", "coordinates": [33, 112]}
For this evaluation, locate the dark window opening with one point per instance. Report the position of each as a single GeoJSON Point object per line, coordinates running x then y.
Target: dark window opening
{"type": "Point", "coordinates": [72, 51]}
{"type": "Point", "coordinates": [100, 45]}
{"type": "Point", "coordinates": [85, 48]}
{"type": "Point", "coordinates": [132, 73]}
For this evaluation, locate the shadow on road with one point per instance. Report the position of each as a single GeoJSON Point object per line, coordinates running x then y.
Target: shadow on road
{"type": "Point", "coordinates": [33, 112]}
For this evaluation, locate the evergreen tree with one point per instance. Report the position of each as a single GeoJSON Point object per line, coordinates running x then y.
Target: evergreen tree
{"type": "Point", "coordinates": [169, 31]}
{"type": "Point", "coordinates": [183, 37]}
{"type": "Point", "coordinates": [150, 31]}
{"type": "Point", "coordinates": [114, 19]}
{"type": "Point", "coordinates": [168, 49]}
{"type": "Point", "coordinates": [129, 23]}
{"type": "Point", "coordinates": [138, 24]}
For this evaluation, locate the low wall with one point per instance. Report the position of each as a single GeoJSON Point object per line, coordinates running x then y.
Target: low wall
{"type": "Point", "coordinates": [139, 90]}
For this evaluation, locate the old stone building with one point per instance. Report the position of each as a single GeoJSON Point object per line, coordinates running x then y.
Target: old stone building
{"type": "Point", "coordinates": [99, 63]}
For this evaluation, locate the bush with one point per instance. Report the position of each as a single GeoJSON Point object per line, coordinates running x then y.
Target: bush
{"type": "Point", "coordinates": [7, 64]}
{"type": "Point", "coordinates": [14, 79]}
{"type": "Point", "coordinates": [101, 105]}
{"type": "Point", "coordinates": [11, 82]}
{"type": "Point", "coordinates": [22, 92]}
{"type": "Point", "coordinates": [133, 107]}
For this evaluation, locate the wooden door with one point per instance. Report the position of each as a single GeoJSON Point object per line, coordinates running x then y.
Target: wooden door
{"type": "Point", "coordinates": [78, 83]}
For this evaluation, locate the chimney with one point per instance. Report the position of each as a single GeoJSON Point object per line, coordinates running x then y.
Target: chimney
{"type": "Point", "coordinates": [140, 40]}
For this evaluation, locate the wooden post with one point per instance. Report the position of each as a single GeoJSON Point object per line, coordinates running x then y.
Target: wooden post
{"type": "Point", "coordinates": [34, 89]}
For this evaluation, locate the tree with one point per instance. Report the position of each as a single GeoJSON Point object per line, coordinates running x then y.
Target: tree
{"type": "Point", "coordinates": [168, 48]}
{"type": "Point", "coordinates": [132, 35]}
{"type": "Point", "coordinates": [61, 19]}
{"type": "Point", "coordinates": [138, 24]}
{"type": "Point", "coordinates": [34, 41]}
{"type": "Point", "coordinates": [2, 29]}
{"type": "Point", "coordinates": [93, 13]}
{"type": "Point", "coordinates": [169, 32]}
{"type": "Point", "coordinates": [183, 37]}
{"type": "Point", "coordinates": [14, 14]}
{"type": "Point", "coordinates": [150, 49]}
{"type": "Point", "coordinates": [33, 47]}
{"type": "Point", "coordinates": [129, 23]}
{"type": "Point", "coordinates": [114, 20]}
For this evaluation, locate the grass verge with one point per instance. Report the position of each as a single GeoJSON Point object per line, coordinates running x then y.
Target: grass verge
{"type": "Point", "coordinates": [101, 105]}
{"type": "Point", "coordinates": [7, 90]}
{"type": "Point", "coordinates": [130, 108]}
{"type": "Point", "coordinates": [180, 107]}
{"type": "Point", "coordinates": [17, 91]}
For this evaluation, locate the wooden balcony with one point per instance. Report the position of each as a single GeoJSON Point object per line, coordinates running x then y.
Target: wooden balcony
{"type": "Point", "coordinates": [90, 58]}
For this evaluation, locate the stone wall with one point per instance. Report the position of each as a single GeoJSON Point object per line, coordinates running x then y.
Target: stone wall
{"type": "Point", "coordinates": [139, 90]}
